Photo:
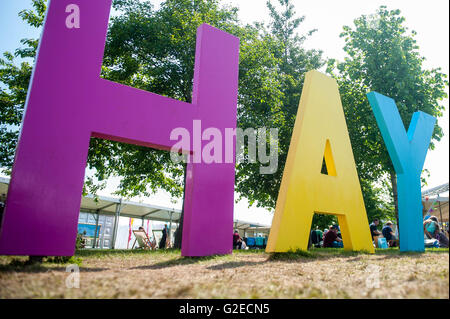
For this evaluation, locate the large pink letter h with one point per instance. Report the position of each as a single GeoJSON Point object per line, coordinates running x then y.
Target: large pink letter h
{"type": "Point", "coordinates": [68, 103]}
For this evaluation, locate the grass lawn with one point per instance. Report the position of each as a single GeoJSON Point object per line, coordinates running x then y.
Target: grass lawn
{"type": "Point", "coordinates": [318, 273]}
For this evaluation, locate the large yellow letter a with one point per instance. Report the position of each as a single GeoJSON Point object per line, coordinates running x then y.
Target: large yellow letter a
{"type": "Point", "coordinates": [320, 132]}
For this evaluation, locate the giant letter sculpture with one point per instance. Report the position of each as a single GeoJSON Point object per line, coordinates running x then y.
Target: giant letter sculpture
{"type": "Point", "coordinates": [407, 152]}
{"type": "Point", "coordinates": [320, 131]}
{"type": "Point", "coordinates": [68, 103]}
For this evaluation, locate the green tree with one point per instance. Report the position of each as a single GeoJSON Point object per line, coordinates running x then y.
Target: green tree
{"type": "Point", "coordinates": [269, 94]}
{"type": "Point", "coordinates": [383, 56]}
{"type": "Point", "coordinates": [15, 80]}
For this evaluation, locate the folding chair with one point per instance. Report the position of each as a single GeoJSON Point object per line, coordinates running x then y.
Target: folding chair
{"type": "Point", "coordinates": [143, 240]}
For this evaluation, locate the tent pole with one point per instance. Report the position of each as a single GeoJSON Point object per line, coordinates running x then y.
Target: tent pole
{"type": "Point", "coordinates": [116, 222]}
{"type": "Point", "coordinates": [96, 229]}
{"type": "Point", "coordinates": [170, 228]}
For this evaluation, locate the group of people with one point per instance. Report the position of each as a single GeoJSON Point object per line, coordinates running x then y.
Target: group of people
{"type": "Point", "coordinates": [329, 238]}
{"type": "Point", "coordinates": [434, 236]}
{"type": "Point", "coordinates": [387, 232]}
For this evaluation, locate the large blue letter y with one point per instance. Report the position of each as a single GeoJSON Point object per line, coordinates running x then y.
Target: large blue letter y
{"type": "Point", "coordinates": [407, 151]}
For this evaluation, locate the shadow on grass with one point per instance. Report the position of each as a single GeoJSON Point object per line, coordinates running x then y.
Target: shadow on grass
{"type": "Point", "coordinates": [235, 264]}
{"type": "Point", "coordinates": [326, 253]}
{"type": "Point", "coordinates": [180, 261]}
{"type": "Point", "coordinates": [396, 251]}
{"type": "Point", "coordinates": [292, 255]}
{"type": "Point", "coordinates": [25, 267]}
{"type": "Point", "coordinates": [312, 254]}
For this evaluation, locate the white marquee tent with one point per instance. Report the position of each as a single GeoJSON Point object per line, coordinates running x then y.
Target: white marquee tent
{"type": "Point", "coordinates": [117, 207]}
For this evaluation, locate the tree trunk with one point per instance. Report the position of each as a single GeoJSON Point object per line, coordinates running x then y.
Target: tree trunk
{"type": "Point", "coordinates": [179, 232]}
{"type": "Point", "coordinates": [395, 195]}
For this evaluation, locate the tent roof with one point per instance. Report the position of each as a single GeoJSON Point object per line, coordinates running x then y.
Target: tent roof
{"type": "Point", "coordinates": [436, 190]}
{"type": "Point", "coordinates": [243, 225]}
{"type": "Point", "coordinates": [440, 208]}
{"type": "Point", "coordinates": [108, 206]}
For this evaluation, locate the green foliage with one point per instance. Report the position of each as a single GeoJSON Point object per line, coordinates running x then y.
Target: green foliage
{"type": "Point", "coordinates": [80, 242]}
{"type": "Point", "coordinates": [323, 221]}
{"type": "Point", "coordinates": [15, 80]}
{"type": "Point", "coordinates": [292, 255]}
{"type": "Point", "coordinates": [65, 260]}
{"type": "Point", "coordinates": [383, 57]}
{"type": "Point", "coordinates": [106, 253]}
{"type": "Point", "coordinates": [272, 68]}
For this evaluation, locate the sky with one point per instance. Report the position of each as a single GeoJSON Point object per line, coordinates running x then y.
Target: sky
{"type": "Point", "coordinates": [12, 28]}
{"type": "Point", "coordinates": [429, 19]}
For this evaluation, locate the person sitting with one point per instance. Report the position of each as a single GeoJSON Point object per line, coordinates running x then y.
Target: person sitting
{"type": "Point", "coordinates": [374, 232]}
{"type": "Point", "coordinates": [317, 238]}
{"type": "Point", "coordinates": [143, 239]}
{"type": "Point", "coordinates": [432, 230]}
{"type": "Point", "coordinates": [331, 239]}
{"type": "Point", "coordinates": [237, 240]}
{"type": "Point", "coordinates": [389, 234]}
